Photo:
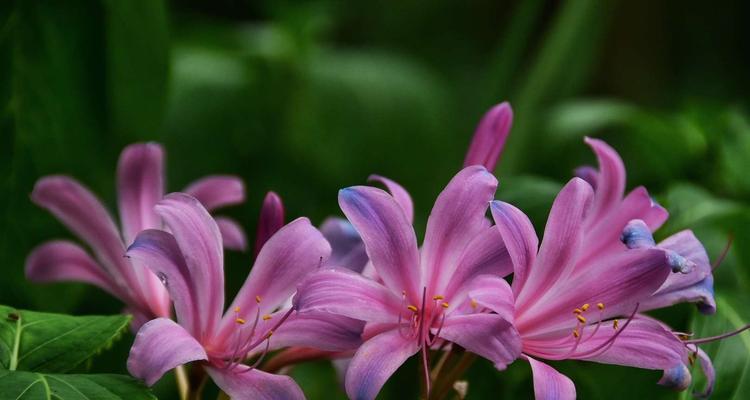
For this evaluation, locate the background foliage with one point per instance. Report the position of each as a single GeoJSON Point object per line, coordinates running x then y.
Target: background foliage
{"type": "Point", "coordinates": [308, 97]}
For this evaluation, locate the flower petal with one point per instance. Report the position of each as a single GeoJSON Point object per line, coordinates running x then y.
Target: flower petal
{"type": "Point", "coordinates": [318, 330]}
{"type": "Point", "coordinates": [287, 257]}
{"type": "Point", "coordinates": [457, 217]}
{"type": "Point", "coordinates": [519, 237]}
{"type": "Point", "coordinates": [494, 293]}
{"type": "Point", "coordinates": [242, 383]}
{"type": "Point", "coordinates": [347, 248]}
{"type": "Point", "coordinates": [708, 370]}
{"type": "Point", "coordinates": [610, 182]}
{"type": "Point", "coordinates": [399, 194]}
{"type": "Point", "coordinates": [160, 346]}
{"type": "Point", "coordinates": [488, 335]}
{"type": "Point", "coordinates": [217, 191]}
{"type": "Point", "coordinates": [562, 241]}
{"type": "Point", "coordinates": [270, 221]}
{"type": "Point", "coordinates": [550, 384]}
{"type": "Point", "coordinates": [199, 241]}
{"type": "Point", "coordinates": [343, 292]}
{"type": "Point", "coordinates": [140, 185]}
{"type": "Point", "coordinates": [375, 361]}
{"type": "Point", "coordinates": [389, 238]}
{"type": "Point", "coordinates": [489, 137]}
{"type": "Point", "coordinates": [232, 235]}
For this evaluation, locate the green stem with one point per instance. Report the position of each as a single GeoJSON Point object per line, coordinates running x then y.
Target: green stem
{"type": "Point", "coordinates": [16, 345]}
{"type": "Point", "coordinates": [183, 385]}
{"type": "Point", "coordinates": [446, 383]}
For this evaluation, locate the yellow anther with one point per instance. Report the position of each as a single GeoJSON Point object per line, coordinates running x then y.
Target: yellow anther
{"type": "Point", "coordinates": [266, 317]}
{"type": "Point", "coordinates": [585, 306]}
{"type": "Point", "coordinates": [438, 297]}
{"type": "Point", "coordinates": [240, 321]}
{"type": "Point", "coordinates": [581, 318]}
{"type": "Point", "coordinates": [577, 311]}
{"type": "Point", "coordinates": [684, 336]}
{"type": "Point", "coordinates": [412, 308]}
{"type": "Point", "coordinates": [257, 299]}
{"type": "Point", "coordinates": [445, 305]}
{"type": "Point", "coordinates": [600, 306]}
{"type": "Point", "coordinates": [236, 309]}
{"type": "Point", "coordinates": [615, 324]}
{"type": "Point", "coordinates": [576, 334]}
{"type": "Point", "coordinates": [473, 303]}
{"type": "Point", "coordinates": [268, 335]}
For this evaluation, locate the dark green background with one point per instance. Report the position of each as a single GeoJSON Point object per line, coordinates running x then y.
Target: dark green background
{"type": "Point", "coordinates": [307, 97]}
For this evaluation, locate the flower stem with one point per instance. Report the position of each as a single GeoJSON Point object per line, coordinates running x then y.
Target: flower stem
{"type": "Point", "coordinates": [16, 344]}
{"type": "Point", "coordinates": [445, 384]}
{"type": "Point", "coordinates": [183, 385]}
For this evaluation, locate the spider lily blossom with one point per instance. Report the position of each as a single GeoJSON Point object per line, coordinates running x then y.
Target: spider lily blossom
{"type": "Point", "coordinates": [567, 302]}
{"type": "Point", "coordinates": [427, 296]}
{"type": "Point", "coordinates": [140, 184]}
{"type": "Point", "coordinates": [189, 262]}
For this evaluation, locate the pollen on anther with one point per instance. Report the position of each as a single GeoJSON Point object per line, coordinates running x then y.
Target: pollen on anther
{"type": "Point", "coordinates": [445, 305]}
{"type": "Point", "coordinates": [585, 306]}
{"type": "Point", "coordinates": [600, 306]}
{"type": "Point", "coordinates": [577, 311]}
{"type": "Point", "coordinates": [412, 308]}
{"type": "Point", "coordinates": [236, 309]}
{"type": "Point", "coordinates": [581, 318]}
{"type": "Point", "coordinates": [266, 317]}
{"type": "Point", "coordinates": [269, 334]}
{"type": "Point", "coordinates": [257, 299]}
{"type": "Point", "coordinates": [474, 303]}
{"type": "Point", "coordinates": [438, 297]}
{"type": "Point", "coordinates": [576, 334]}
{"type": "Point", "coordinates": [240, 321]}
{"type": "Point", "coordinates": [615, 324]}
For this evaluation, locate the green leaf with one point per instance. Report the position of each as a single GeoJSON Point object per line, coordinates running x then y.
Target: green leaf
{"type": "Point", "coordinates": [729, 356]}
{"type": "Point", "coordinates": [53, 343]}
{"type": "Point", "coordinates": [691, 205]}
{"type": "Point", "coordinates": [31, 385]}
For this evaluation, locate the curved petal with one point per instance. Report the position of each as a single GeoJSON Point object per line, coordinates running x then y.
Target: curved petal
{"type": "Point", "coordinates": [389, 238]}
{"type": "Point", "coordinates": [62, 260]}
{"type": "Point", "coordinates": [489, 137]}
{"type": "Point", "coordinates": [158, 251]}
{"type": "Point", "coordinates": [550, 384]}
{"type": "Point", "coordinates": [588, 174]}
{"type": "Point", "coordinates": [486, 254]}
{"type": "Point", "coordinates": [140, 185]}
{"type": "Point", "coordinates": [457, 217]}
{"type": "Point", "coordinates": [493, 293]}
{"type": "Point", "coordinates": [217, 191]}
{"type": "Point", "coordinates": [343, 292]}
{"type": "Point", "coordinates": [232, 235]}
{"type": "Point", "coordinates": [242, 383]}
{"type": "Point", "coordinates": [708, 370]}
{"type": "Point", "coordinates": [319, 330]}
{"type": "Point", "coordinates": [347, 248]}
{"type": "Point", "coordinates": [199, 242]}
{"type": "Point", "coordinates": [160, 346]}
{"type": "Point", "coordinates": [287, 258]}
{"type": "Point", "coordinates": [488, 335]}
{"type": "Point", "coordinates": [519, 237]}
{"type": "Point", "coordinates": [610, 182]}
{"type": "Point", "coordinates": [270, 221]}
{"type": "Point", "coordinates": [561, 243]}
{"type": "Point", "coordinates": [85, 216]}
{"type": "Point", "coordinates": [375, 361]}
{"type": "Point", "coordinates": [399, 194]}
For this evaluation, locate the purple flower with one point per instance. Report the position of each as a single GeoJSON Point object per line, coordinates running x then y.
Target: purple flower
{"type": "Point", "coordinates": [427, 296]}
{"type": "Point", "coordinates": [140, 184]}
{"type": "Point", "coordinates": [189, 262]}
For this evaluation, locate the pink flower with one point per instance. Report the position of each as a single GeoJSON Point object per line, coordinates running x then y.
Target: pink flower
{"type": "Point", "coordinates": [425, 295]}
{"type": "Point", "coordinates": [140, 177]}
{"type": "Point", "coordinates": [189, 261]}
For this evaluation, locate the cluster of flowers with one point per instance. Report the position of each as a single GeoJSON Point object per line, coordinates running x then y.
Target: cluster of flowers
{"type": "Point", "coordinates": [362, 291]}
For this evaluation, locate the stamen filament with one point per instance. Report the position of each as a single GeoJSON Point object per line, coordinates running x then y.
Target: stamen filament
{"type": "Point", "coordinates": [718, 337]}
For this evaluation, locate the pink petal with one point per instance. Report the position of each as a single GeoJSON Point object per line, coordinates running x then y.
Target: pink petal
{"type": "Point", "coordinates": [456, 218]}
{"type": "Point", "coordinates": [389, 238]}
{"type": "Point", "coordinates": [217, 191]}
{"type": "Point", "coordinates": [610, 182]}
{"type": "Point", "coordinates": [318, 330]}
{"type": "Point", "coordinates": [287, 258]}
{"type": "Point", "coordinates": [140, 184]}
{"type": "Point", "coordinates": [488, 335]}
{"type": "Point", "coordinates": [486, 254]}
{"type": "Point", "coordinates": [550, 384]}
{"type": "Point", "coordinates": [241, 383]}
{"type": "Point", "coordinates": [60, 261]}
{"type": "Point", "coordinates": [347, 248]}
{"type": "Point", "coordinates": [232, 235]}
{"type": "Point", "coordinates": [489, 137]}
{"type": "Point", "coordinates": [159, 251]}
{"type": "Point", "coordinates": [343, 292]}
{"type": "Point", "coordinates": [519, 237]}
{"type": "Point", "coordinates": [708, 370]}
{"type": "Point", "coordinates": [199, 241]}
{"type": "Point", "coordinates": [77, 208]}
{"type": "Point", "coordinates": [494, 293]}
{"type": "Point", "coordinates": [562, 241]}
{"type": "Point", "coordinates": [399, 194]}
{"type": "Point", "coordinates": [270, 221]}
{"type": "Point", "coordinates": [160, 346]}
{"type": "Point", "coordinates": [375, 362]}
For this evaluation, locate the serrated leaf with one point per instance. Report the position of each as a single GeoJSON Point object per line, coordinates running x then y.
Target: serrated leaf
{"type": "Point", "coordinates": [53, 343]}
{"type": "Point", "coordinates": [21, 385]}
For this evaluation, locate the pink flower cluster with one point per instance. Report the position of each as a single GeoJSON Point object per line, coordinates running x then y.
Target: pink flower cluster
{"type": "Point", "coordinates": [364, 292]}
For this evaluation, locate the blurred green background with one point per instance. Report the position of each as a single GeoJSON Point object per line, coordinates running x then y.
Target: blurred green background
{"type": "Point", "coordinates": [307, 97]}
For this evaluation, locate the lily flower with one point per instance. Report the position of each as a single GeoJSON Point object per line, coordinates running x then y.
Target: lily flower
{"type": "Point", "coordinates": [189, 262]}
{"type": "Point", "coordinates": [140, 184]}
{"type": "Point", "coordinates": [567, 303]}
{"type": "Point", "coordinates": [428, 295]}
